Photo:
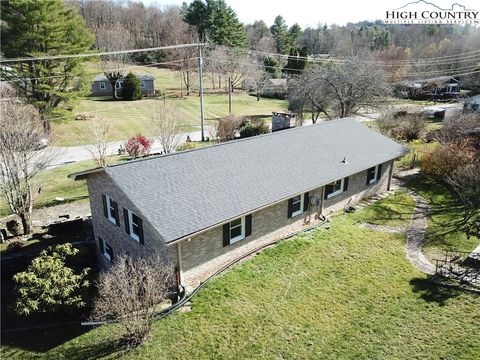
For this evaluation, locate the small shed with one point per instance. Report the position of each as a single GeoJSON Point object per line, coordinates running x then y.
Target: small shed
{"type": "Point", "coordinates": [101, 86]}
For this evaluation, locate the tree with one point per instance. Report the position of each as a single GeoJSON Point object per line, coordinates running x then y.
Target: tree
{"type": "Point", "coordinates": [338, 90]}
{"type": "Point", "coordinates": [137, 146]}
{"type": "Point", "coordinates": [253, 127]}
{"type": "Point", "coordinates": [44, 28]}
{"type": "Point", "coordinates": [294, 33]}
{"type": "Point", "coordinates": [466, 183]}
{"type": "Point", "coordinates": [21, 138]}
{"type": "Point", "coordinates": [280, 34]}
{"type": "Point", "coordinates": [99, 131]}
{"type": "Point", "coordinates": [166, 127]}
{"type": "Point", "coordinates": [113, 38]}
{"type": "Point", "coordinates": [216, 21]}
{"type": "Point", "coordinates": [273, 67]}
{"type": "Point", "coordinates": [227, 127]}
{"type": "Point", "coordinates": [228, 63]}
{"type": "Point", "coordinates": [131, 89]}
{"type": "Point", "coordinates": [403, 124]}
{"type": "Point", "coordinates": [130, 294]}
{"type": "Point", "coordinates": [258, 76]}
{"type": "Point", "coordinates": [296, 61]}
{"type": "Point", "coordinates": [48, 283]}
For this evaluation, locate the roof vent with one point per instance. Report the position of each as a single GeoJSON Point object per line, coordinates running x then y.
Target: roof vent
{"type": "Point", "coordinates": [344, 161]}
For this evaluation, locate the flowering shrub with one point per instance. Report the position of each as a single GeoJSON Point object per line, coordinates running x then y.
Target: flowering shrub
{"type": "Point", "coordinates": [137, 146]}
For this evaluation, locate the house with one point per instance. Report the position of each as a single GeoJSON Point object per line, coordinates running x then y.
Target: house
{"type": "Point", "coordinates": [101, 86]}
{"type": "Point", "coordinates": [201, 207]}
{"type": "Point", "coordinates": [440, 88]}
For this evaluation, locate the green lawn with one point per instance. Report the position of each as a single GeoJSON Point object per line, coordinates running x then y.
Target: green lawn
{"type": "Point", "coordinates": [56, 183]}
{"type": "Point", "coordinates": [340, 293]}
{"type": "Point", "coordinates": [393, 211]}
{"type": "Point", "coordinates": [133, 117]}
{"type": "Point", "coordinates": [419, 148]}
{"type": "Point", "coordinates": [446, 213]}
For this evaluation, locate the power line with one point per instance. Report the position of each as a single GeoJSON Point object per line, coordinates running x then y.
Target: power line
{"type": "Point", "coordinates": [85, 55]}
{"type": "Point", "coordinates": [125, 68]}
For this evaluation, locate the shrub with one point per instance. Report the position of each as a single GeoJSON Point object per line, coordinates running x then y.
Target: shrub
{"type": "Point", "coordinates": [13, 227]}
{"type": "Point", "coordinates": [446, 158]}
{"type": "Point", "coordinates": [48, 283]}
{"type": "Point", "coordinates": [138, 145]}
{"type": "Point", "coordinates": [403, 125]}
{"type": "Point", "coordinates": [131, 87]}
{"type": "Point", "coordinates": [253, 127]}
{"type": "Point", "coordinates": [228, 126]}
{"type": "Point", "coordinates": [15, 244]}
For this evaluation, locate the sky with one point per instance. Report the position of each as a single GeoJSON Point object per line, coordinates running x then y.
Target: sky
{"type": "Point", "coordinates": [311, 12]}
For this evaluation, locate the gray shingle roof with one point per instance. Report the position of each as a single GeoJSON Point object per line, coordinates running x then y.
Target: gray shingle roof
{"type": "Point", "coordinates": [182, 193]}
{"type": "Point", "coordinates": [102, 77]}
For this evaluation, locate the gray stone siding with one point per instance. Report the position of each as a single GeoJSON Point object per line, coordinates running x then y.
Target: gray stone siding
{"type": "Point", "coordinates": [209, 245]}
{"type": "Point", "coordinates": [116, 236]}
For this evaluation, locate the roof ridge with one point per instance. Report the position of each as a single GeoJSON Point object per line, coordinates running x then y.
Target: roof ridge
{"type": "Point", "coordinates": [151, 158]}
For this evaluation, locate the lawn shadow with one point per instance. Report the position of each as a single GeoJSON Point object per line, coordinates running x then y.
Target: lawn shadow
{"type": "Point", "coordinates": [432, 290]}
{"type": "Point", "coordinates": [98, 350]}
{"type": "Point", "coordinates": [42, 340]}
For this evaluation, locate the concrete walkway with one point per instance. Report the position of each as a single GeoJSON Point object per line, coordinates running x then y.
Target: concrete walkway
{"type": "Point", "coordinates": [416, 235]}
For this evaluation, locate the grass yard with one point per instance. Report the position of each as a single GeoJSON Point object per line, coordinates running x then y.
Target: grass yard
{"type": "Point", "coordinates": [56, 183]}
{"type": "Point", "coordinates": [419, 148]}
{"type": "Point", "coordinates": [446, 213]}
{"type": "Point", "coordinates": [395, 211]}
{"type": "Point", "coordinates": [339, 293]}
{"type": "Point", "coordinates": [133, 117]}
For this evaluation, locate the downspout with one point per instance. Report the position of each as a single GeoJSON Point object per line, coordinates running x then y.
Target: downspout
{"type": "Point", "coordinates": [320, 211]}
{"type": "Point", "coordinates": [390, 174]}
{"type": "Point", "coordinates": [179, 255]}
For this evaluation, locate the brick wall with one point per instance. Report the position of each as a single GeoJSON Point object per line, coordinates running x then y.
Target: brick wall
{"type": "Point", "coordinates": [116, 236]}
{"type": "Point", "coordinates": [208, 245]}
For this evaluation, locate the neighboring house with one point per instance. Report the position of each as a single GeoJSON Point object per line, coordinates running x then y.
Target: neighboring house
{"type": "Point", "coordinates": [273, 88]}
{"type": "Point", "coordinates": [102, 87]}
{"type": "Point", "coordinates": [197, 207]}
{"type": "Point", "coordinates": [431, 89]}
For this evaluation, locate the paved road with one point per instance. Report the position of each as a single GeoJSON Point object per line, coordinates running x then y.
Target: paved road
{"type": "Point", "coordinates": [69, 154]}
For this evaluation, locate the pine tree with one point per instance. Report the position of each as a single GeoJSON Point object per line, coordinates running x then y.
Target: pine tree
{"type": "Point", "coordinates": [38, 28]}
{"type": "Point", "coordinates": [279, 31]}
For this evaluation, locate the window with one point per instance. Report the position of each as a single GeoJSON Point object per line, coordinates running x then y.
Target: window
{"type": "Point", "coordinates": [336, 188]}
{"type": "Point", "coordinates": [133, 225]}
{"type": "Point", "coordinates": [110, 209]}
{"type": "Point", "coordinates": [373, 174]}
{"type": "Point", "coordinates": [103, 86]}
{"type": "Point", "coordinates": [105, 249]}
{"type": "Point", "coordinates": [237, 230]}
{"type": "Point", "coordinates": [297, 205]}
{"type": "Point", "coordinates": [142, 84]}
{"type": "Point", "coordinates": [119, 84]}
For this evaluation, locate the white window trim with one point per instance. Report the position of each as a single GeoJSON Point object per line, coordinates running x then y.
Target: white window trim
{"type": "Point", "coordinates": [300, 211]}
{"type": "Point", "coordinates": [338, 192]}
{"type": "Point", "coordinates": [242, 235]}
{"type": "Point", "coordinates": [105, 252]}
{"type": "Point", "coordinates": [130, 226]}
{"type": "Point", "coordinates": [375, 178]}
{"type": "Point", "coordinates": [103, 86]}
{"type": "Point", "coordinates": [109, 210]}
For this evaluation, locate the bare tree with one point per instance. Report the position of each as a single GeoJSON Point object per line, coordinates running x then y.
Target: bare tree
{"type": "Point", "coordinates": [228, 127]}
{"type": "Point", "coordinates": [258, 76]}
{"type": "Point", "coordinates": [130, 294]}
{"type": "Point", "coordinates": [99, 130]}
{"type": "Point", "coordinates": [228, 63]}
{"type": "Point", "coordinates": [113, 38]}
{"type": "Point", "coordinates": [21, 157]}
{"type": "Point", "coordinates": [167, 127]}
{"type": "Point", "coordinates": [339, 90]}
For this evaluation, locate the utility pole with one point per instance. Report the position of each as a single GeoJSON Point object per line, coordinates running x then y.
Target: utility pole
{"type": "Point", "coordinates": [229, 95]}
{"type": "Point", "coordinates": [200, 83]}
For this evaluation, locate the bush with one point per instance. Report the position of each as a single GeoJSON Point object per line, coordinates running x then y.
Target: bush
{"type": "Point", "coordinates": [138, 145]}
{"type": "Point", "coordinates": [446, 158]}
{"type": "Point", "coordinates": [15, 244]}
{"type": "Point", "coordinates": [403, 125]}
{"type": "Point", "coordinates": [253, 127]}
{"type": "Point", "coordinates": [13, 227]}
{"type": "Point", "coordinates": [228, 126]}
{"type": "Point", "coordinates": [131, 87]}
{"type": "Point", "coordinates": [48, 283]}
